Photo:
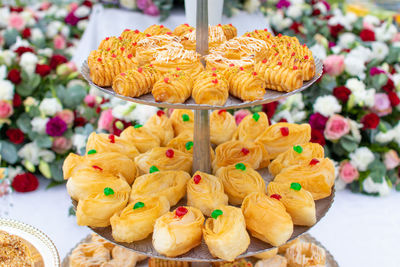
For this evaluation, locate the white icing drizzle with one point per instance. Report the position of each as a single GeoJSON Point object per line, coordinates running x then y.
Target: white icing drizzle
{"type": "Point", "coordinates": [247, 45]}
{"type": "Point", "coordinates": [171, 53]}
{"type": "Point", "coordinates": [215, 35]}
{"type": "Point", "coordinates": [158, 40]}
{"type": "Point", "coordinates": [238, 62]}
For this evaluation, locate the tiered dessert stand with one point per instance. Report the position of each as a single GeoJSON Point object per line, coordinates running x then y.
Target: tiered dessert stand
{"type": "Point", "coordinates": [201, 154]}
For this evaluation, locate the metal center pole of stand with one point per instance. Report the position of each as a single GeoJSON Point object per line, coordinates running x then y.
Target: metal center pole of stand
{"type": "Point", "coordinates": [201, 148]}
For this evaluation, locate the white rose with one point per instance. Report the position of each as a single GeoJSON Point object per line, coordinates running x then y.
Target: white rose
{"type": "Point", "coordinates": [7, 57]}
{"type": "Point", "coordinates": [4, 15]}
{"type": "Point", "coordinates": [396, 131]}
{"type": "Point", "coordinates": [50, 106]}
{"type": "Point", "coordinates": [77, 82]}
{"type": "Point", "coordinates": [47, 155]}
{"type": "Point", "coordinates": [385, 32]}
{"type": "Point", "coordinates": [355, 66]}
{"type": "Point", "coordinates": [361, 52]}
{"type": "Point", "coordinates": [30, 152]}
{"type": "Point", "coordinates": [355, 84]}
{"type": "Point", "coordinates": [319, 51]}
{"type": "Point", "coordinates": [79, 142]}
{"type": "Point", "coordinates": [6, 90]}
{"type": "Point", "coordinates": [28, 62]}
{"type": "Point", "coordinates": [251, 5]}
{"type": "Point", "coordinates": [65, 31]}
{"type": "Point", "coordinates": [298, 116]}
{"type": "Point", "coordinates": [82, 11]}
{"type": "Point", "coordinates": [321, 7]}
{"type": "Point", "coordinates": [284, 114]}
{"type": "Point", "coordinates": [3, 72]}
{"type": "Point", "coordinates": [19, 42]}
{"type": "Point", "coordinates": [123, 112]}
{"type": "Point", "coordinates": [369, 98]}
{"type": "Point", "coordinates": [53, 28]}
{"type": "Point", "coordinates": [28, 18]}
{"type": "Point", "coordinates": [82, 25]}
{"type": "Point", "coordinates": [349, 19]}
{"type": "Point", "coordinates": [371, 20]}
{"type": "Point", "coordinates": [47, 52]}
{"type": "Point", "coordinates": [39, 124]}
{"type": "Point", "coordinates": [294, 101]}
{"type": "Point", "coordinates": [396, 79]}
{"type": "Point", "coordinates": [354, 129]}
{"type": "Point", "coordinates": [280, 22]}
{"type": "Point", "coordinates": [371, 187]}
{"type": "Point", "coordinates": [379, 50]}
{"type": "Point", "coordinates": [294, 11]}
{"type": "Point", "coordinates": [143, 112]}
{"type": "Point", "coordinates": [327, 105]}
{"type": "Point", "coordinates": [346, 39]}
{"type": "Point", "coordinates": [61, 13]}
{"type": "Point", "coordinates": [387, 137]}
{"type": "Point", "coordinates": [36, 35]}
{"type": "Point", "coordinates": [361, 158]}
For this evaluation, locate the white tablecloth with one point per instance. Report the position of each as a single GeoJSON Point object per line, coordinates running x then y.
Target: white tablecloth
{"type": "Point", "coordinates": [360, 231]}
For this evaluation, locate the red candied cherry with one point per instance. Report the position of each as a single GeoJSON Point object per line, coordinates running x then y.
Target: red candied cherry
{"type": "Point", "coordinates": [276, 196]}
{"type": "Point", "coordinates": [314, 162]}
{"type": "Point", "coordinates": [284, 131]}
{"type": "Point", "coordinates": [169, 153]}
{"type": "Point", "coordinates": [197, 179]}
{"type": "Point", "coordinates": [245, 151]}
{"type": "Point", "coordinates": [160, 113]}
{"type": "Point", "coordinates": [111, 137]}
{"type": "Point", "coordinates": [221, 111]}
{"type": "Point", "coordinates": [181, 211]}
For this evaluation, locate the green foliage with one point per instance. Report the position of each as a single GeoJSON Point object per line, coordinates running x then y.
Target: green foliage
{"type": "Point", "coordinates": [8, 152]}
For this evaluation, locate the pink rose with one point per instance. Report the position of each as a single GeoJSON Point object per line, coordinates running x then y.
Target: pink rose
{"type": "Point", "coordinates": [106, 120]}
{"type": "Point", "coordinates": [347, 172]}
{"type": "Point", "coordinates": [334, 65]}
{"type": "Point", "coordinates": [90, 100]}
{"type": "Point", "coordinates": [45, 5]}
{"type": "Point", "coordinates": [61, 144]}
{"type": "Point", "coordinates": [391, 159]}
{"type": "Point", "coordinates": [4, 188]}
{"type": "Point", "coordinates": [368, 26]}
{"type": "Point", "coordinates": [59, 42]}
{"type": "Point", "coordinates": [71, 65]}
{"type": "Point", "coordinates": [396, 38]}
{"type": "Point", "coordinates": [336, 127]}
{"type": "Point", "coordinates": [6, 109]}
{"type": "Point", "coordinates": [1, 40]}
{"type": "Point", "coordinates": [67, 116]}
{"type": "Point", "coordinates": [16, 21]}
{"type": "Point", "coordinates": [240, 114]}
{"type": "Point", "coordinates": [73, 7]}
{"type": "Point", "coordinates": [382, 106]}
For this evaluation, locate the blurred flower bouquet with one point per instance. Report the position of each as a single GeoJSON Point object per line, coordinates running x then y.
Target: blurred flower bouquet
{"type": "Point", "coordinates": [354, 109]}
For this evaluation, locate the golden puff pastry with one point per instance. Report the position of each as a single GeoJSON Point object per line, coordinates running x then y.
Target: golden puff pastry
{"type": "Point", "coordinates": [225, 233]}
{"type": "Point", "coordinates": [264, 35]}
{"type": "Point", "coordinates": [116, 44]}
{"type": "Point", "coordinates": [184, 142]}
{"type": "Point", "coordinates": [143, 139]}
{"type": "Point", "coordinates": [123, 257]}
{"type": "Point", "coordinates": [217, 61]}
{"type": "Point", "coordinates": [298, 154]}
{"type": "Point", "coordinates": [160, 125]}
{"type": "Point", "coordinates": [169, 184]}
{"type": "Point", "coordinates": [97, 209]}
{"type": "Point", "coordinates": [177, 232]}
{"type": "Point", "coordinates": [154, 262]}
{"type": "Point", "coordinates": [174, 87]}
{"type": "Point", "coordinates": [251, 127]}
{"type": "Point", "coordinates": [147, 49]}
{"type": "Point", "coordinates": [278, 77]}
{"type": "Point", "coordinates": [205, 192]}
{"type": "Point", "coordinates": [317, 177]}
{"type": "Point", "coordinates": [182, 120]}
{"type": "Point", "coordinates": [282, 249]}
{"type": "Point", "coordinates": [229, 30]}
{"type": "Point", "coordinates": [89, 254]}
{"type": "Point", "coordinates": [110, 143]}
{"type": "Point", "coordinates": [133, 36]}
{"type": "Point", "coordinates": [305, 254]}
{"type": "Point", "coordinates": [281, 136]}
{"type": "Point", "coordinates": [240, 180]}
{"type": "Point", "coordinates": [267, 219]}
{"type": "Point", "coordinates": [210, 88]}
{"type": "Point", "coordinates": [136, 221]}
{"type": "Point", "coordinates": [222, 126]}
{"type": "Point", "coordinates": [135, 82]}
{"type": "Point", "coordinates": [233, 152]}
{"type": "Point", "coordinates": [216, 37]}
{"type": "Point", "coordinates": [299, 202]}
{"type": "Point", "coordinates": [275, 261]}
{"type": "Point", "coordinates": [267, 255]}
{"type": "Point", "coordinates": [164, 159]}
{"type": "Point", "coordinates": [111, 162]}
{"type": "Point", "coordinates": [183, 29]}
{"type": "Point", "coordinates": [157, 30]}
{"type": "Point", "coordinates": [248, 86]}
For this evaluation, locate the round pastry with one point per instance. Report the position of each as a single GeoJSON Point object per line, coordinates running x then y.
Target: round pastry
{"type": "Point", "coordinates": [281, 136]}
{"type": "Point", "coordinates": [110, 143]}
{"type": "Point", "coordinates": [267, 255]}
{"type": "Point", "coordinates": [216, 37]}
{"type": "Point", "coordinates": [177, 232]}
{"type": "Point", "coordinates": [110, 162]}
{"type": "Point", "coordinates": [160, 125]}
{"type": "Point", "coordinates": [133, 36]}
{"type": "Point", "coordinates": [240, 180]}
{"type": "Point", "coordinates": [225, 233]}
{"type": "Point", "coordinates": [169, 184]}
{"type": "Point", "coordinates": [298, 154]}
{"type": "Point", "coordinates": [275, 261]}
{"type": "Point", "coordinates": [157, 30]}
{"type": "Point", "coordinates": [136, 221]}
{"type": "Point", "coordinates": [123, 257]}
{"type": "Point", "coordinates": [89, 254]}
{"type": "Point", "coordinates": [299, 202]}
{"type": "Point", "coordinates": [182, 120]}
{"type": "Point", "coordinates": [305, 254]}
{"type": "Point", "coordinates": [147, 48]}
{"type": "Point", "coordinates": [174, 87]}
{"type": "Point", "coordinates": [282, 249]}
{"type": "Point", "coordinates": [251, 127]}
{"type": "Point", "coordinates": [119, 45]}
{"type": "Point", "coordinates": [205, 192]}
{"type": "Point", "coordinates": [210, 88]}
{"type": "Point", "coordinates": [317, 176]}
{"type": "Point", "coordinates": [164, 159]}
{"type": "Point", "coordinates": [141, 137]}
{"type": "Point", "coordinates": [243, 47]}
{"type": "Point", "coordinates": [267, 219]}
{"type": "Point", "coordinates": [222, 126]}
{"type": "Point", "coordinates": [217, 61]}
{"type": "Point", "coordinates": [229, 30]}
{"type": "Point", "coordinates": [264, 35]}
{"type": "Point", "coordinates": [183, 29]}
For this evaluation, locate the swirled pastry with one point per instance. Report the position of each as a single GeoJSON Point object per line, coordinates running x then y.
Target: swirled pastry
{"type": "Point", "coordinates": [133, 36]}
{"type": "Point", "coordinates": [217, 61]}
{"type": "Point", "coordinates": [164, 159]}
{"type": "Point", "coordinates": [182, 120]}
{"type": "Point", "coordinates": [282, 249]}
{"type": "Point", "coordinates": [317, 176]}
{"type": "Point", "coordinates": [110, 143]}
{"type": "Point", "coordinates": [229, 30]}
{"type": "Point", "coordinates": [136, 81]}
{"type": "Point", "coordinates": [210, 88]}
{"type": "Point", "coordinates": [248, 86]}
{"type": "Point", "coordinates": [233, 152]}
{"type": "Point", "coordinates": [160, 125]}
{"type": "Point", "coordinates": [216, 37]}
{"type": "Point", "coordinates": [174, 87]}
{"type": "Point", "coordinates": [177, 232]}
{"type": "Point", "coordinates": [275, 261]}
{"type": "Point", "coordinates": [110, 162]}
{"type": "Point", "coordinates": [157, 30]}
{"type": "Point", "coordinates": [267, 219]}
{"type": "Point", "coordinates": [225, 233]}
{"type": "Point", "coordinates": [123, 257]}
{"type": "Point", "coordinates": [89, 254]}
{"type": "Point", "coordinates": [136, 221]}
{"type": "Point", "coordinates": [264, 35]}
{"type": "Point", "coordinates": [278, 77]}
{"type": "Point", "coordinates": [242, 47]}
{"type": "Point", "coordinates": [252, 126]}
{"type": "Point", "coordinates": [143, 139]}
{"type": "Point", "coordinates": [147, 48]}
{"type": "Point", "coordinates": [299, 202]}
{"type": "Point", "coordinates": [222, 126]}
{"type": "Point", "coordinates": [305, 254]}
{"type": "Point", "coordinates": [183, 29]}
{"type": "Point", "coordinates": [205, 192]}
{"type": "Point", "coordinates": [298, 154]}
{"type": "Point", "coordinates": [240, 180]}
{"type": "Point", "coordinates": [169, 184]}
{"type": "Point", "coordinates": [281, 136]}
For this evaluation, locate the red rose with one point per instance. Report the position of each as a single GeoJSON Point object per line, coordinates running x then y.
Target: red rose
{"type": "Point", "coordinates": [79, 121]}
{"type": "Point", "coordinates": [43, 69]}
{"type": "Point", "coordinates": [56, 60]}
{"type": "Point", "coordinates": [296, 27]}
{"type": "Point", "coordinates": [367, 35]}
{"type": "Point", "coordinates": [26, 33]}
{"type": "Point", "coordinates": [317, 137]}
{"type": "Point", "coordinates": [389, 86]}
{"type": "Point", "coordinates": [370, 121]}
{"type": "Point", "coordinates": [117, 131]}
{"type": "Point", "coordinates": [22, 49]}
{"type": "Point", "coordinates": [335, 30]}
{"type": "Point", "coordinates": [87, 3]}
{"type": "Point", "coordinates": [316, 12]}
{"type": "Point", "coordinates": [17, 9]}
{"type": "Point", "coordinates": [270, 108]}
{"type": "Point", "coordinates": [25, 182]}
{"type": "Point", "coordinates": [17, 100]}
{"type": "Point", "coordinates": [394, 99]}
{"type": "Point", "coordinates": [342, 93]}
{"type": "Point", "coordinates": [283, 120]}
{"type": "Point", "coordinates": [14, 76]}
{"type": "Point", "coordinates": [16, 136]}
